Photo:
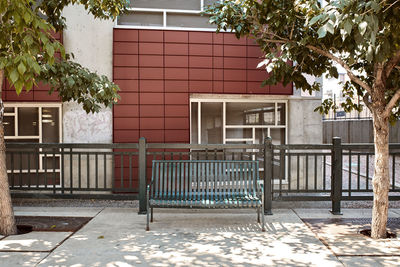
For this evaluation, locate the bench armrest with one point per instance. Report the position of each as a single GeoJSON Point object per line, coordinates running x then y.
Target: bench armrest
{"type": "Point", "coordinates": [260, 187]}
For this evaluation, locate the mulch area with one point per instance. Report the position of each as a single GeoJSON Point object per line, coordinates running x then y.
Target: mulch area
{"type": "Point", "coordinates": [53, 223]}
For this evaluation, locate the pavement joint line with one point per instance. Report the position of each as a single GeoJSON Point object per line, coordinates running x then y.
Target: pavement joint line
{"type": "Point", "coordinates": [322, 240]}
{"type": "Point", "coordinates": [25, 251]}
{"type": "Point", "coordinates": [368, 255]}
{"type": "Point", "coordinates": [65, 239]}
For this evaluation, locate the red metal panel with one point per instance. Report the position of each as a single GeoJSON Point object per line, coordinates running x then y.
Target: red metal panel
{"type": "Point", "coordinates": [153, 136]}
{"type": "Point", "coordinates": [218, 62]}
{"type": "Point", "coordinates": [126, 60]}
{"type": "Point", "coordinates": [156, 111]}
{"type": "Point", "coordinates": [125, 48]}
{"type": "Point", "coordinates": [235, 87]}
{"type": "Point", "coordinates": [200, 49]}
{"type": "Point", "coordinates": [176, 49]}
{"type": "Point", "coordinates": [176, 123]}
{"type": "Point", "coordinates": [231, 39]}
{"type": "Point", "coordinates": [254, 51]}
{"type": "Point", "coordinates": [218, 50]}
{"type": "Point", "coordinates": [125, 35]}
{"type": "Point", "coordinates": [234, 51]}
{"type": "Point", "coordinates": [200, 37]}
{"type": "Point", "coordinates": [11, 95]}
{"type": "Point", "coordinates": [279, 89]}
{"type": "Point", "coordinates": [151, 36]}
{"type": "Point", "coordinates": [178, 136]}
{"type": "Point", "coordinates": [126, 111]}
{"type": "Point", "coordinates": [176, 86]}
{"type": "Point", "coordinates": [151, 48]}
{"type": "Point", "coordinates": [235, 63]}
{"type": "Point", "coordinates": [176, 111]}
{"type": "Point", "coordinates": [127, 85]}
{"type": "Point", "coordinates": [218, 75]}
{"type": "Point", "coordinates": [152, 86]}
{"type": "Point", "coordinates": [252, 63]}
{"type": "Point", "coordinates": [255, 88]}
{"type": "Point", "coordinates": [201, 74]}
{"type": "Point", "coordinates": [151, 73]}
{"type": "Point", "coordinates": [127, 73]}
{"type": "Point", "coordinates": [128, 98]}
{"type": "Point", "coordinates": [151, 61]}
{"type": "Point", "coordinates": [151, 98]}
{"type": "Point", "coordinates": [176, 61]}
{"type": "Point", "coordinates": [126, 123]}
{"type": "Point", "coordinates": [234, 75]}
{"type": "Point", "coordinates": [218, 87]}
{"type": "Point", "coordinates": [218, 38]}
{"type": "Point", "coordinates": [151, 123]}
{"type": "Point", "coordinates": [176, 98]}
{"type": "Point", "coordinates": [201, 86]}
{"type": "Point", "coordinates": [256, 75]}
{"type": "Point", "coordinates": [126, 136]}
{"type": "Point", "coordinates": [176, 36]}
{"type": "Point", "coordinates": [176, 74]}
{"type": "Point", "coordinates": [44, 96]}
{"type": "Point", "coordinates": [200, 62]}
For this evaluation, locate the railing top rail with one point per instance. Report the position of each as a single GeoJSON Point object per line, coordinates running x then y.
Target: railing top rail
{"type": "Point", "coordinates": [368, 146]}
{"type": "Point", "coordinates": [205, 161]}
{"type": "Point", "coordinates": [73, 145]}
{"type": "Point", "coordinates": [303, 146]}
{"type": "Point", "coordinates": [203, 146]}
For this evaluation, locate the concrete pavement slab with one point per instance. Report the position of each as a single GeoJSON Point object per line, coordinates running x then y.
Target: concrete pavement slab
{"type": "Point", "coordinates": [363, 261]}
{"type": "Point", "coordinates": [396, 211]}
{"type": "Point", "coordinates": [21, 259]}
{"type": "Point", "coordinates": [33, 241]}
{"type": "Point", "coordinates": [117, 237]}
{"type": "Point", "coordinates": [56, 211]}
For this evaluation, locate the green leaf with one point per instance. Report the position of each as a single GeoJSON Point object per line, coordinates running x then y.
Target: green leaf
{"type": "Point", "coordinates": [27, 17]}
{"type": "Point", "coordinates": [14, 76]}
{"type": "Point", "coordinates": [314, 20]}
{"type": "Point", "coordinates": [21, 68]}
{"type": "Point", "coordinates": [362, 27]}
{"type": "Point", "coordinates": [321, 32]}
{"type": "Point", "coordinates": [348, 26]}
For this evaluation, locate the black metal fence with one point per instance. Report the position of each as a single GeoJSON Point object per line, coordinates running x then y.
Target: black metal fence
{"type": "Point", "coordinates": [330, 172]}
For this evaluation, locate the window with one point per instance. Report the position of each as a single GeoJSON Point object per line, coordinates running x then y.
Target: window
{"type": "Point", "coordinates": [33, 123]}
{"type": "Point", "coordinates": [167, 14]}
{"type": "Point", "coordinates": [228, 121]}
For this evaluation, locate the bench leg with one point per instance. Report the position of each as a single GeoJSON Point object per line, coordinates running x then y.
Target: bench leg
{"type": "Point", "coordinates": [258, 215]}
{"type": "Point", "coordinates": [151, 218]}
{"type": "Point", "coordinates": [262, 220]}
{"type": "Point", "coordinates": [147, 213]}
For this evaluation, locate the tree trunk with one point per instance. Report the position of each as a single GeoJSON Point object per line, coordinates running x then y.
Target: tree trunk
{"type": "Point", "coordinates": [7, 220]}
{"type": "Point", "coordinates": [380, 181]}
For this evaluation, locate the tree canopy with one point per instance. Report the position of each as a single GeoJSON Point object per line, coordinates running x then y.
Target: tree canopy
{"type": "Point", "coordinates": [361, 36]}
{"type": "Point", "coordinates": [29, 53]}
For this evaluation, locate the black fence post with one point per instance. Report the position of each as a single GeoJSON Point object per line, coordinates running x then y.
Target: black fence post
{"type": "Point", "coordinates": [336, 177]}
{"type": "Point", "coordinates": [268, 157]}
{"type": "Point", "coordinates": [142, 176]}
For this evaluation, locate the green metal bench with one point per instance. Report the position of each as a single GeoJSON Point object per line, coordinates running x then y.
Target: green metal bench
{"type": "Point", "coordinates": [205, 184]}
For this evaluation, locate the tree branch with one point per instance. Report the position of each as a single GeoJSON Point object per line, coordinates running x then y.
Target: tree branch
{"type": "Point", "coordinates": [352, 76]}
{"type": "Point", "coordinates": [392, 63]}
{"type": "Point", "coordinates": [366, 101]}
{"type": "Point", "coordinates": [392, 103]}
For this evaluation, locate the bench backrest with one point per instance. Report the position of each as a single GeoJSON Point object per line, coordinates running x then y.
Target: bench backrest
{"type": "Point", "coordinates": [191, 179]}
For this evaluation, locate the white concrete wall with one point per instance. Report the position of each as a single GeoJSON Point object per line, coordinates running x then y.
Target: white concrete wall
{"type": "Point", "coordinates": [90, 40]}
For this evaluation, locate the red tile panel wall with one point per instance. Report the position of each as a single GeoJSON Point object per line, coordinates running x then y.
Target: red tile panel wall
{"type": "Point", "coordinates": [157, 71]}
{"type": "Point", "coordinates": [38, 93]}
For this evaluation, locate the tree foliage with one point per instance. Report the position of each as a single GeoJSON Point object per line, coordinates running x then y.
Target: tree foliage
{"type": "Point", "coordinates": [361, 36]}
{"type": "Point", "coordinates": [29, 51]}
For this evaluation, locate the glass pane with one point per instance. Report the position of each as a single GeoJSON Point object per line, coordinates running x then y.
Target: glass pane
{"type": "Point", "coordinates": [188, 20]}
{"type": "Point", "coordinates": [142, 19]}
{"type": "Point", "coordinates": [28, 122]}
{"type": "Point", "coordinates": [281, 114]}
{"type": "Point", "coordinates": [8, 110]}
{"type": "Point", "coordinates": [194, 128]}
{"type": "Point", "coordinates": [250, 113]}
{"type": "Point", "coordinates": [167, 4]}
{"type": "Point", "coordinates": [239, 133]}
{"type": "Point", "coordinates": [211, 123]}
{"type": "Point", "coordinates": [261, 134]}
{"type": "Point", "coordinates": [278, 136]}
{"type": "Point", "coordinates": [50, 125]}
{"type": "Point", "coordinates": [9, 125]}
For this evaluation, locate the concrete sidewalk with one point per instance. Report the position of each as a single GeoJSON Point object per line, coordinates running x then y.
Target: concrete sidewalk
{"type": "Point", "coordinates": [116, 237]}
